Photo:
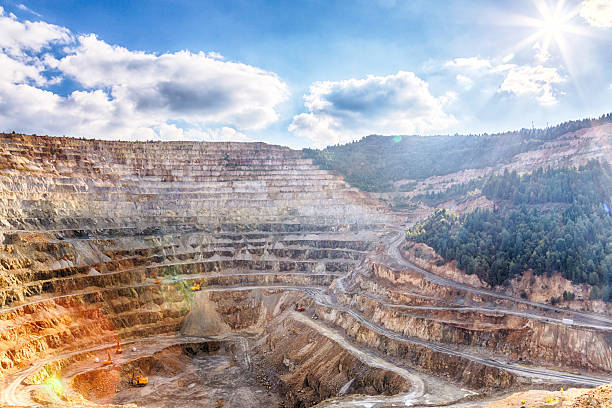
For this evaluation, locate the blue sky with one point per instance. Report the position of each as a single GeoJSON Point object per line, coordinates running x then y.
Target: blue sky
{"type": "Point", "coordinates": [300, 73]}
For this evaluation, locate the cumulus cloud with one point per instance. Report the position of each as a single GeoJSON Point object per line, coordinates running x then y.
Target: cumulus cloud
{"type": "Point", "coordinates": [341, 111]}
{"type": "Point", "coordinates": [82, 113]}
{"type": "Point", "coordinates": [128, 94]}
{"type": "Point", "coordinates": [224, 134]}
{"type": "Point", "coordinates": [18, 38]}
{"type": "Point", "coordinates": [16, 71]}
{"type": "Point", "coordinates": [535, 81]}
{"type": "Point", "coordinates": [597, 13]}
{"type": "Point", "coordinates": [182, 85]}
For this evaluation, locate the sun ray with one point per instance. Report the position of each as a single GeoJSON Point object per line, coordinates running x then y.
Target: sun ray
{"type": "Point", "coordinates": [553, 35]}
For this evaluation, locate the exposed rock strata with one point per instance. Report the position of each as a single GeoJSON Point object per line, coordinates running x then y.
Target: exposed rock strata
{"type": "Point", "coordinates": [102, 240]}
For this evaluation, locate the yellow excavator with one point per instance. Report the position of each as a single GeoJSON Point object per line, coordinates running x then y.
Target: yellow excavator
{"type": "Point", "coordinates": [108, 360]}
{"type": "Point", "coordinates": [139, 380]}
{"type": "Point", "coordinates": [157, 280]}
{"type": "Point", "coordinates": [118, 350]}
{"type": "Point", "coordinates": [196, 287]}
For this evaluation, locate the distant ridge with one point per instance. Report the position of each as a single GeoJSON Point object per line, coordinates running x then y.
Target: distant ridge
{"type": "Point", "coordinates": [375, 162]}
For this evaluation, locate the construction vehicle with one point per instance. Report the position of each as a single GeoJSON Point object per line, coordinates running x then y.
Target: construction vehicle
{"type": "Point", "coordinates": [299, 308]}
{"type": "Point", "coordinates": [108, 360]}
{"type": "Point", "coordinates": [138, 380]}
{"type": "Point", "coordinates": [195, 287]}
{"type": "Point", "coordinates": [157, 280]}
{"type": "Point", "coordinates": [118, 350]}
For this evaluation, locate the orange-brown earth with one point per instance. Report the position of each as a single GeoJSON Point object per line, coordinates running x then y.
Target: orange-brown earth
{"type": "Point", "coordinates": [301, 282]}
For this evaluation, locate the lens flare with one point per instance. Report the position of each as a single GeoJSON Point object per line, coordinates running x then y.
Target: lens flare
{"type": "Point", "coordinates": [53, 387]}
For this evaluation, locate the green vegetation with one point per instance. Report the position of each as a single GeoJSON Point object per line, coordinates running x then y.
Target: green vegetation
{"type": "Point", "coordinates": [375, 162]}
{"type": "Point", "coordinates": [454, 191]}
{"type": "Point", "coordinates": [550, 220]}
{"type": "Point", "coordinates": [588, 185]}
{"type": "Point", "coordinates": [539, 187]}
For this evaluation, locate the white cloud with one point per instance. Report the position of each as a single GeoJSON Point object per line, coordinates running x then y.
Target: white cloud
{"type": "Point", "coordinates": [224, 134]}
{"type": "Point", "coordinates": [346, 110]}
{"type": "Point", "coordinates": [17, 38]}
{"type": "Point", "coordinates": [448, 98]}
{"type": "Point", "coordinates": [541, 52]}
{"type": "Point", "coordinates": [128, 94]}
{"type": "Point", "coordinates": [501, 68]}
{"type": "Point", "coordinates": [597, 13]}
{"type": "Point", "coordinates": [471, 63]}
{"type": "Point", "coordinates": [82, 113]}
{"type": "Point", "coordinates": [535, 81]}
{"type": "Point", "coordinates": [16, 71]}
{"type": "Point", "coordinates": [215, 55]}
{"type": "Point", "coordinates": [23, 7]}
{"type": "Point", "coordinates": [181, 85]}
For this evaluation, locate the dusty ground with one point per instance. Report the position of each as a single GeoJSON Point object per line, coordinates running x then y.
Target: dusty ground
{"type": "Point", "coordinates": [178, 380]}
{"type": "Point", "coordinates": [212, 381]}
{"type": "Point", "coordinates": [85, 234]}
{"type": "Point", "coordinates": [600, 397]}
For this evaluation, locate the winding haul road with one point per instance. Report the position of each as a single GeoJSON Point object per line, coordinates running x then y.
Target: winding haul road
{"type": "Point", "coordinates": [585, 319]}
{"type": "Point", "coordinates": [13, 392]}
{"type": "Point", "coordinates": [541, 374]}
{"type": "Point", "coordinates": [417, 386]}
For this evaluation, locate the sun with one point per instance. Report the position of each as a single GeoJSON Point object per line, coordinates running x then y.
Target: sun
{"type": "Point", "coordinates": [552, 26]}
{"type": "Point", "coordinates": [553, 23]}
{"type": "Point", "coordinates": [553, 29]}
{"type": "Point", "coordinates": [553, 35]}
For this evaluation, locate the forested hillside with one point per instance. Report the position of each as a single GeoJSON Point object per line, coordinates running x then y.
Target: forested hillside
{"type": "Point", "coordinates": [549, 220]}
{"type": "Point", "coordinates": [375, 162]}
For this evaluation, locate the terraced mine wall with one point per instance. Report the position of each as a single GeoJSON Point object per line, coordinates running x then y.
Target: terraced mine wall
{"type": "Point", "coordinates": [253, 248]}
{"type": "Point", "coordinates": [104, 240]}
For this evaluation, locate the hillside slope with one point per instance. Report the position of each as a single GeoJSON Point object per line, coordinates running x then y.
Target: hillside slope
{"type": "Point", "coordinates": [242, 266]}
{"type": "Point", "coordinates": [499, 186]}
{"type": "Point", "coordinates": [386, 163]}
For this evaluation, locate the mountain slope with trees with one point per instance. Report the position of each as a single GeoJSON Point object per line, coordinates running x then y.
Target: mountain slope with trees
{"type": "Point", "coordinates": [554, 220]}
{"type": "Point", "coordinates": [375, 162]}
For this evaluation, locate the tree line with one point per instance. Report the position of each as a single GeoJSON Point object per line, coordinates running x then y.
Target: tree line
{"type": "Point", "coordinates": [375, 162]}
{"type": "Point", "coordinates": [548, 221]}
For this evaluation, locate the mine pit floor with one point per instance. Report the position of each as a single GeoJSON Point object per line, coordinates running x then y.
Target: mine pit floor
{"type": "Point", "coordinates": [220, 379]}
{"type": "Point", "coordinates": [210, 381]}
{"type": "Point", "coordinates": [184, 373]}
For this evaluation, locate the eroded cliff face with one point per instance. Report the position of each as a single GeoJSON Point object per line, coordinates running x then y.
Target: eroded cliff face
{"type": "Point", "coordinates": [543, 288]}
{"type": "Point", "coordinates": [308, 368]}
{"type": "Point", "coordinates": [108, 240]}
{"type": "Point", "coordinates": [425, 257]}
{"type": "Point", "coordinates": [250, 247]}
{"type": "Point", "coordinates": [488, 322]}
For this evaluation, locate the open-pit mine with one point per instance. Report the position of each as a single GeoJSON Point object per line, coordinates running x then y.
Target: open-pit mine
{"type": "Point", "coordinates": [180, 274]}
